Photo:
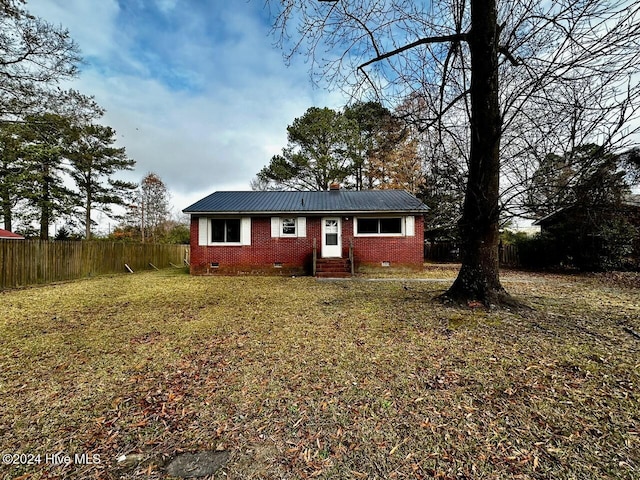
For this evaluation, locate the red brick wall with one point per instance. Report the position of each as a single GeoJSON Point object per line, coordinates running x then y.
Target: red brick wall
{"type": "Point", "coordinates": [295, 254]}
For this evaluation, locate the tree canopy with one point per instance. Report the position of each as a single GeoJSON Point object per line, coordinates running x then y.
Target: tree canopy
{"type": "Point", "coordinates": [317, 153]}
{"type": "Point", "coordinates": [34, 56]}
{"type": "Point", "coordinates": [147, 212]}
{"type": "Point", "coordinates": [50, 138]}
{"type": "Point", "coordinates": [363, 147]}
{"type": "Point", "coordinates": [93, 162]}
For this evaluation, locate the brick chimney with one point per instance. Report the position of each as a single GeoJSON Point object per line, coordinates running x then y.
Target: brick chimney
{"type": "Point", "coordinates": [334, 186]}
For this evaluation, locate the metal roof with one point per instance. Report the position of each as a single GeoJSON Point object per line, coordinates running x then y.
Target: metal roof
{"type": "Point", "coordinates": [630, 200]}
{"type": "Point", "coordinates": [6, 234]}
{"type": "Point", "coordinates": [334, 201]}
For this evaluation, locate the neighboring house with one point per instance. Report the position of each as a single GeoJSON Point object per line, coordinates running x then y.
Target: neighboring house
{"type": "Point", "coordinates": [629, 209]}
{"type": "Point", "coordinates": [597, 238]}
{"type": "Point", "coordinates": [7, 235]}
{"type": "Point", "coordinates": [284, 232]}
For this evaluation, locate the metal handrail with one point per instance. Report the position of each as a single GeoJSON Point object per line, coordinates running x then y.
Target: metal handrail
{"type": "Point", "coordinates": [315, 256]}
{"type": "Point", "coordinates": [351, 262]}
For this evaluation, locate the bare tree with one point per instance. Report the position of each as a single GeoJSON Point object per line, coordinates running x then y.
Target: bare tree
{"type": "Point", "coordinates": [484, 64]}
{"type": "Point", "coordinates": [153, 206]}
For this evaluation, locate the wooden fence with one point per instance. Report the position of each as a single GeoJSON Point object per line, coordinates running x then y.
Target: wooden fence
{"type": "Point", "coordinates": [31, 262]}
{"type": "Point", "coordinates": [509, 256]}
{"type": "Point", "coordinates": [449, 252]}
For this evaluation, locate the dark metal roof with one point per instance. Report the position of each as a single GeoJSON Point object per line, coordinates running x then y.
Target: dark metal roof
{"type": "Point", "coordinates": [335, 201]}
{"type": "Point", "coordinates": [630, 200]}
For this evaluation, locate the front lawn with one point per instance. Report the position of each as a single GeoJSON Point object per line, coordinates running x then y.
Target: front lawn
{"type": "Point", "coordinates": [298, 378]}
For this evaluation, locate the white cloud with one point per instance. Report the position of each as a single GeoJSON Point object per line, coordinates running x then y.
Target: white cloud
{"type": "Point", "coordinates": [91, 24]}
{"type": "Point", "coordinates": [166, 6]}
{"type": "Point", "coordinates": [204, 102]}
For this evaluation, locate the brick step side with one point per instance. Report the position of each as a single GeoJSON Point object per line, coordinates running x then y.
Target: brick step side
{"type": "Point", "coordinates": [333, 267]}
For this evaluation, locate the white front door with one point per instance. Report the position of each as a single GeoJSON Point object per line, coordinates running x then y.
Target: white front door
{"type": "Point", "coordinates": [331, 237]}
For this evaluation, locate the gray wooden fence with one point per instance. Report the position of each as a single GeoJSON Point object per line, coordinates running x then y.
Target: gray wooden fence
{"type": "Point", "coordinates": [31, 262]}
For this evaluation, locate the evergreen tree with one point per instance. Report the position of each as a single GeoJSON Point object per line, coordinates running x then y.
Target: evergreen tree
{"type": "Point", "coordinates": [319, 151]}
{"type": "Point", "coordinates": [94, 161]}
{"type": "Point", "coordinates": [45, 139]}
{"type": "Point", "coordinates": [377, 133]}
{"type": "Point", "coordinates": [10, 185]}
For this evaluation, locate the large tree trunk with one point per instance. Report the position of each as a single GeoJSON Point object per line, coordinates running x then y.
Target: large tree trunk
{"type": "Point", "coordinates": [87, 217]}
{"type": "Point", "coordinates": [7, 215]}
{"type": "Point", "coordinates": [45, 203]}
{"type": "Point", "coordinates": [478, 278]}
{"type": "Point", "coordinates": [5, 197]}
{"type": "Point", "coordinates": [44, 223]}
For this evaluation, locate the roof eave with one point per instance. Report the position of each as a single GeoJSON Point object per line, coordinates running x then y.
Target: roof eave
{"type": "Point", "coordinates": [305, 212]}
{"type": "Point", "coordinates": [549, 215]}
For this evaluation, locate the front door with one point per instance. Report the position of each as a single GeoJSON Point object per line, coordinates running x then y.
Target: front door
{"type": "Point", "coordinates": [331, 237]}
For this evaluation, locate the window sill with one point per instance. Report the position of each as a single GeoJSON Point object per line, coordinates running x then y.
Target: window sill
{"type": "Point", "coordinates": [379, 235]}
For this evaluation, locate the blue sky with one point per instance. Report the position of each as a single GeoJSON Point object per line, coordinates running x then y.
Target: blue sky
{"type": "Point", "coordinates": [195, 89]}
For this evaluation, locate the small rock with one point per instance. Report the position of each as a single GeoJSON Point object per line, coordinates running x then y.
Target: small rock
{"type": "Point", "coordinates": [201, 464]}
{"type": "Point", "coordinates": [130, 460]}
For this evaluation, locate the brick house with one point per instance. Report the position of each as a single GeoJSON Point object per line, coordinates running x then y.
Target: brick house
{"type": "Point", "coordinates": [332, 233]}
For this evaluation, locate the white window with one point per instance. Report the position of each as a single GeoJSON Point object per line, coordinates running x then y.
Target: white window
{"type": "Point", "coordinates": [224, 231]}
{"type": "Point", "coordinates": [288, 227]}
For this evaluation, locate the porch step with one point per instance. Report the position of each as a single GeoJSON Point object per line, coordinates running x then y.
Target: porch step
{"type": "Point", "coordinates": [333, 268]}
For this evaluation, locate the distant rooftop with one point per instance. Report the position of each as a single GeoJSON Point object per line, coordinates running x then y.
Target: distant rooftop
{"type": "Point", "coordinates": [333, 201]}
{"type": "Point", "coordinates": [631, 200]}
{"type": "Point", "coordinates": [6, 234]}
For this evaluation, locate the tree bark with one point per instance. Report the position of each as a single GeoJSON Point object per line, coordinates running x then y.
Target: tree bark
{"type": "Point", "coordinates": [478, 279]}
{"type": "Point", "coordinates": [87, 216]}
{"type": "Point", "coordinates": [7, 215]}
{"type": "Point", "coordinates": [45, 205]}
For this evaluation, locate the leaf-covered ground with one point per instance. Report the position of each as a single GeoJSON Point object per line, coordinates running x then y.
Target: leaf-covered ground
{"type": "Point", "coordinates": [299, 378]}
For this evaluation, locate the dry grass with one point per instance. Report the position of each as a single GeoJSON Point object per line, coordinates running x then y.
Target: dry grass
{"type": "Point", "coordinates": [299, 378]}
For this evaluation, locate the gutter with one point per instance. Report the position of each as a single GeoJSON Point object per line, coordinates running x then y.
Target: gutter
{"type": "Point", "coordinates": [305, 212]}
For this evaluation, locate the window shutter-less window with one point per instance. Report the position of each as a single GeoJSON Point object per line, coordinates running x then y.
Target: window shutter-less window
{"type": "Point", "coordinates": [245, 230]}
{"type": "Point", "coordinates": [275, 226]}
{"type": "Point", "coordinates": [203, 231]}
{"type": "Point", "coordinates": [410, 226]}
{"type": "Point", "coordinates": [302, 226]}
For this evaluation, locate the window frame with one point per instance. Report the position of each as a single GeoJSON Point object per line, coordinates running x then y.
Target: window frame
{"type": "Point", "coordinates": [295, 227]}
{"type": "Point", "coordinates": [225, 230]}
{"type": "Point", "coordinates": [278, 226]}
{"type": "Point", "coordinates": [378, 233]}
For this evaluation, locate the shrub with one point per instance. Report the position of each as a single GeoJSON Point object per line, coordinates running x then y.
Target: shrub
{"type": "Point", "coordinates": [539, 252]}
{"type": "Point", "coordinates": [606, 246]}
